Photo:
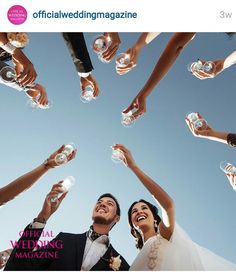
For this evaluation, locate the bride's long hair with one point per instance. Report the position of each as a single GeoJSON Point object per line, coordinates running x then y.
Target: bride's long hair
{"type": "Point", "coordinates": [137, 235]}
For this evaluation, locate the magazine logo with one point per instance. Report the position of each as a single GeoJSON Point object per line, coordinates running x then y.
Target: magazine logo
{"type": "Point", "coordinates": [30, 247]}
{"type": "Point", "coordinates": [17, 15]}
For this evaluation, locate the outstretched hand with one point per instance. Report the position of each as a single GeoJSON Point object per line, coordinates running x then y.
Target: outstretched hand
{"type": "Point", "coordinates": [114, 46]}
{"type": "Point", "coordinates": [25, 71]}
{"type": "Point", "coordinates": [133, 59]}
{"type": "Point", "coordinates": [38, 94]}
{"type": "Point", "coordinates": [51, 159]}
{"type": "Point", "coordinates": [138, 104]}
{"type": "Point", "coordinates": [89, 81]}
{"type": "Point", "coordinates": [204, 132]}
{"type": "Point", "coordinates": [49, 207]}
{"type": "Point", "coordinates": [128, 158]}
{"type": "Point", "coordinates": [218, 68]}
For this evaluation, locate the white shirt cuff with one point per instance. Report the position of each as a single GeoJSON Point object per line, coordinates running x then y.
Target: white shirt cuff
{"type": "Point", "coordinates": [84, 74]}
{"type": "Point", "coordinates": [8, 47]}
{"type": "Point", "coordinates": [37, 225]}
{"type": "Point", "coordinates": [230, 60]}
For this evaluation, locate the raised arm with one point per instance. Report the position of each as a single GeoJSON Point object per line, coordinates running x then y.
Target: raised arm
{"type": "Point", "coordinates": [3, 38]}
{"type": "Point", "coordinates": [218, 67]}
{"type": "Point", "coordinates": [77, 47]}
{"type": "Point", "coordinates": [209, 133]}
{"type": "Point", "coordinates": [16, 262]}
{"type": "Point", "coordinates": [164, 200]}
{"type": "Point", "coordinates": [26, 73]}
{"type": "Point", "coordinates": [114, 46]}
{"type": "Point", "coordinates": [24, 182]}
{"type": "Point", "coordinates": [133, 52]}
{"type": "Point", "coordinates": [172, 50]}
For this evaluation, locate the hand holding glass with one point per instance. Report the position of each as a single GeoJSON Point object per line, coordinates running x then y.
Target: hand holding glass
{"type": "Point", "coordinates": [67, 183]}
{"type": "Point", "coordinates": [87, 95]}
{"type": "Point", "coordinates": [62, 157]}
{"type": "Point", "coordinates": [100, 45]}
{"type": "Point", "coordinates": [127, 119]}
{"type": "Point", "coordinates": [122, 61]}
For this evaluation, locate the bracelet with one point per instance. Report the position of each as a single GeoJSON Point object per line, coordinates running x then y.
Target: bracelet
{"type": "Point", "coordinates": [40, 220]}
{"type": "Point", "coordinates": [8, 47]}
{"type": "Point", "coordinates": [47, 165]}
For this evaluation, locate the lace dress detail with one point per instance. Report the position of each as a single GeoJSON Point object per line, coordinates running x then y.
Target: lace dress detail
{"type": "Point", "coordinates": [154, 252]}
{"type": "Point", "coordinates": [151, 255]}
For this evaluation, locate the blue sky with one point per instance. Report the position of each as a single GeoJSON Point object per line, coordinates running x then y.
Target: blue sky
{"type": "Point", "coordinates": [185, 166]}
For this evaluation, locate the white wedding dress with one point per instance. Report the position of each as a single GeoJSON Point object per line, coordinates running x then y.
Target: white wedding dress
{"type": "Point", "coordinates": [180, 253]}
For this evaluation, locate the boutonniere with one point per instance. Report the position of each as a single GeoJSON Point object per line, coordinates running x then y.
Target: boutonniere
{"type": "Point", "coordinates": [115, 262]}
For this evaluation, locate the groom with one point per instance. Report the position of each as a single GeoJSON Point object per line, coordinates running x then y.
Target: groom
{"type": "Point", "coordinates": [87, 251]}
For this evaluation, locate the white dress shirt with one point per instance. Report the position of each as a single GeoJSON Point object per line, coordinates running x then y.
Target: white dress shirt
{"type": "Point", "coordinates": [93, 251]}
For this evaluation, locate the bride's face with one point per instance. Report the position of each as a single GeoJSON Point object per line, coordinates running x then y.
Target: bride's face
{"type": "Point", "coordinates": [142, 217]}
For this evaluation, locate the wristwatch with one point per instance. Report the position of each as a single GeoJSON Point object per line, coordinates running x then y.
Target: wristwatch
{"type": "Point", "coordinates": [40, 220]}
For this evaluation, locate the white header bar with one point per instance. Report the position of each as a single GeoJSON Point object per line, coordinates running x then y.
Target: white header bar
{"type": "Point", "coordinates": [151, 15]}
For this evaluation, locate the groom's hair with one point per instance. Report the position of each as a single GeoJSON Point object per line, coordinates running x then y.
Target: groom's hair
{"type": "Point", "coordinates": [116, 201]}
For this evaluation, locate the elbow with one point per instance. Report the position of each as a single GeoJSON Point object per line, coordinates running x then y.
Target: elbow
{"type": "Point", "coordinates": [170, 206]}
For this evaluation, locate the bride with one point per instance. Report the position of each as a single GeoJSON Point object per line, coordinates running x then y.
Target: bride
{"type": "Point", "coordinates": [163, 244]}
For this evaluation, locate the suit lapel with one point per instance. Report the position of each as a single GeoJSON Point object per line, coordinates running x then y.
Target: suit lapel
{"type": "Point", "coordinates": [80, 243]}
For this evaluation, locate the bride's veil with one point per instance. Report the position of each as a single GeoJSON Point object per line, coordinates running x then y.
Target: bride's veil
{"type": "Point", "coordinates": [184, 254]}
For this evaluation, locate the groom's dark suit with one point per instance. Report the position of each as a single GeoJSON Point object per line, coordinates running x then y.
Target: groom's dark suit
{"type": "Point", "coordinates": [70, 256]}
{"type": "Point", "coordinates": [77, 46]}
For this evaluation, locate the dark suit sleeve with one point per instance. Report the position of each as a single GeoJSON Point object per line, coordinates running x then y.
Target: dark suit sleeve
{"type": "Point", "coordinates": [24, 258]}
{"type": "Point", "coordinates": [77, 46]}
{"type": "Point", "coordinates": [124, 265]}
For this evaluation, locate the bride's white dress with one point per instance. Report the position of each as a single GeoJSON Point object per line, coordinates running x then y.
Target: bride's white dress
{"type": "Point", "coordinates": [180, 253]}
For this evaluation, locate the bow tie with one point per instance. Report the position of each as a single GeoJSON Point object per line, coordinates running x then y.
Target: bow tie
{"type": "Point", "coordinates": [93, 235]}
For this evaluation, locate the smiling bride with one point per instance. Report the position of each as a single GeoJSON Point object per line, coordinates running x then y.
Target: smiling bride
{"type": "Point", "coordinates": [162, 243]}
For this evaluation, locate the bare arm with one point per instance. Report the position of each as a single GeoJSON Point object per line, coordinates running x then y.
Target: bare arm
{"type": "Point", "coordinates": [133, 52]}
{"type": "Point", "coordinates": [145, 38]}
{"type": "Point", "coordinates": [24, 182]}
{"type": "Point", "coordinates": [174, 47]}
{"type": "Point", "coordinates": [3, 38]}
{"type": "Point", "coordinates": [218, 136]}
{"type": "Point", "coordinates": [164, 200]}
{"type": "Point", "coordinates": [209, 133]}
{"type": "Point", "coordinates": [218, 67]}
{"type": "Point", "coordinates": [26, 73]}
{"type": "Point", "coordinates": [21, 184]}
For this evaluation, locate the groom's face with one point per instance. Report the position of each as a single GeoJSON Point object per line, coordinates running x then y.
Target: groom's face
{"type": "Point", "coordinates": [104, 211]}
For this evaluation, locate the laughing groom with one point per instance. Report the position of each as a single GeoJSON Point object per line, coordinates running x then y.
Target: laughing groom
{"type": "Point", "coordinates": [91, 250]}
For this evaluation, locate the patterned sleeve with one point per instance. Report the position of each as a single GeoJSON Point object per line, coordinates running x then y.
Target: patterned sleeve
{"type": "Point", "coordinates": [231, 139]}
